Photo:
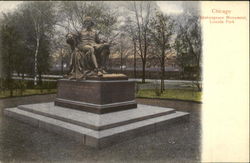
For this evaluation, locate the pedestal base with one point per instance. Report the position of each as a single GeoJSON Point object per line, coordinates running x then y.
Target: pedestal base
{"type": "Point", "coordinates": [97, 130]}
{"type": "Point", "coordinates": [96, 96]}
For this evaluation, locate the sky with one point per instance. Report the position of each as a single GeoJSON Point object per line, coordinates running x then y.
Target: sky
{"type": "Point", "coordinates": [8, 5]}
{"type": "Point", "coordinates": [168, 7]}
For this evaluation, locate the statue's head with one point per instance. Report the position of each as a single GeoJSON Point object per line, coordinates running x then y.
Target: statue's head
{"type": "Point", "coordinates": [88, 22]}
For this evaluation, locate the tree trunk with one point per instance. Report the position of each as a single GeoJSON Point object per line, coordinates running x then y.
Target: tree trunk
{"type": "Point", "coordinates": [145, 56]}
{"type": "Point", "coordinates": [40, 78]}
{"type": "Point", "coordinates": [134, 59]}
{"type": "Point", "coordinates": [198, 79]}
{"type": "Point", "coordinates": [162, 70]}
{"type": "Point", "coordinates": [121, 62]}
{"type": "Point", "coordinates": [11, 87]}
{"type": "Point", "coordinates": [198, 86]}
{"type": "Point", "coordinates": [9, 76]}
{"type": "Point", "coordinates": [40, 82]}
{"type": "Point", "coordinates": [62, 66]}
{"type": "Point", "coordinates": [143, 70]}
{"type": "Point", "coordinates": [36, 53]}
{"type": "Point", "coordinates": [162, 78]}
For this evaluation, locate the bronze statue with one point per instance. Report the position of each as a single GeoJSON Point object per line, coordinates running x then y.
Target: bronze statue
{"type": "Point", "coordinates": [89, 55]}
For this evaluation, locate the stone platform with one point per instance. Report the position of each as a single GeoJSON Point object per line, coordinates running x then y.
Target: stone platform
{"type": "Point", "coordinates": [97, 130]}
{"type": "Point", "coordinates": [96, 96]}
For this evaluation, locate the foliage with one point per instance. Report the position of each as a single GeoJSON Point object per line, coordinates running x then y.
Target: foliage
{"type": "Point", "coordinates": [10, 46]}
{"type": "Point", "coordinates": [27, 33]}
{"type": "Point", "coordinates": [36, 30]}
{"type": "Point", "coordinates": [188, 46]}
{"type": "Point", "coordinates": [130, 29]}
{"type": "Point", "coordinates": [70, 19]}
{"type": "Point", "coordinates": [73, 13]}
{"type": "Point", "coordinates": [142, 13]}
{"type": "Point", "coordinates": [161, 31]}
{"type": "Point", "coordinates": [38, 20]}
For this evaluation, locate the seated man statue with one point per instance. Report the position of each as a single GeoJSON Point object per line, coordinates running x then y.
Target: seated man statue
{"type": "Point", "coordinates": [89, 55]}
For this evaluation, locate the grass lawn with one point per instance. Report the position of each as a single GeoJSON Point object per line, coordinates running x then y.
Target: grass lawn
{"type": "Point", "coordinates": [181, 94]}
{"type": "Point", "coordinates": [26, 92]}
{"type": "Point", "coordinates": [140, 82]}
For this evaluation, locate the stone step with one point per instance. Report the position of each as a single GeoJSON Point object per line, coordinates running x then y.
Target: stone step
{"type": "Point", "coordinates": [97, 121]}
{"type": "Point", "coordinates": [94, 138]}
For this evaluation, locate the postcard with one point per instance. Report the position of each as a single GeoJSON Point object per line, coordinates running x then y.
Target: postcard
{"type": "Point", "coordinates": [124, 81]}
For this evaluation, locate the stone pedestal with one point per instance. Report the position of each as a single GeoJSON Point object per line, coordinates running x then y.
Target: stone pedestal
{"type": "Point", "coordinates": [97, 130]}
{"type": "Point", "coordinates": [96, 96]}
{"type": "Point", "coordinates": [97, 113]}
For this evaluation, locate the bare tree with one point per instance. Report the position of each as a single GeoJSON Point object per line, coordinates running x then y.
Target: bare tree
{"type": "Point", "coordinates": [161, 31]}
{"type": "Point", "coordinates": [72, 15]}
{"type": "Point", "coordinates": [129, 28]}
{"type": "Point", "coordinates": [59, 50]}
{"type": "Point", "coordinates": [122, 47]}
{"type": "Point", "coordinates": [188, 45]}
{"type": "Point", "coordinates": [142, 12]}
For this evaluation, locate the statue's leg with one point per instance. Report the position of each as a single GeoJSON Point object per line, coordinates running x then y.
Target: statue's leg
{"type": "Point", "coordinates": [71, 72]}
{"type": "Point", "coordinates": [105, 55]}
{"type": "Point", "coordinates": [71, 68]}
{"type": "Point", "coordinates": [104, 52]}
{"type": "Point", "coordinates": [90, 50]}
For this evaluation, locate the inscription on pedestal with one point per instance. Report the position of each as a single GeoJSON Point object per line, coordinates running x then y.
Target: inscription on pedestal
{"type": "Point", "coordinates": [96, 96]}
